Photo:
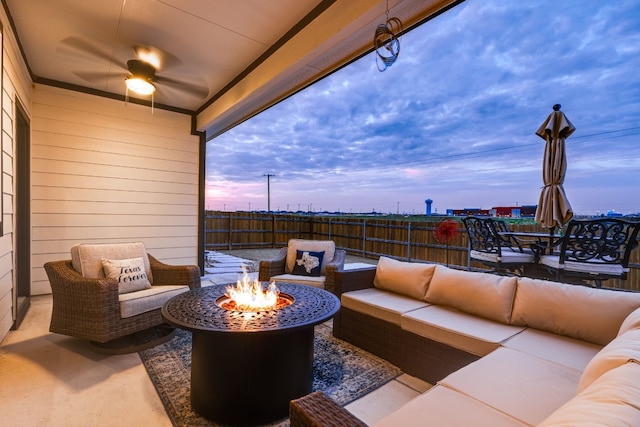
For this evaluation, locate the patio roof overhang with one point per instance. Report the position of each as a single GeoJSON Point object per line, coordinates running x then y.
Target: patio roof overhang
{"type": "Point", "coordinates": [247, 55]}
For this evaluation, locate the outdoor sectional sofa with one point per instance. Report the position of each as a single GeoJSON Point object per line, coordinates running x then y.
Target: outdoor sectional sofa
{"type": "Point", "coordinates": [500, 350]}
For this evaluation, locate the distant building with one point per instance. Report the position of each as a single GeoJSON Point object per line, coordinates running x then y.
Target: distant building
{"type": "Point", "coordinates": [526, 211]}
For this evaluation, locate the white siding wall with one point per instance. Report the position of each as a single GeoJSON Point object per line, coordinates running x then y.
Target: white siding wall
{"type": "Point", "coordinates": [106, 171]}
{"type": "Point", "coordinates": [16, 84]}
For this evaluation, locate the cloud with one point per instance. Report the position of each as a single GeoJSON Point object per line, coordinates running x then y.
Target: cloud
{"type": "Point", "coordinates": [454, 118]}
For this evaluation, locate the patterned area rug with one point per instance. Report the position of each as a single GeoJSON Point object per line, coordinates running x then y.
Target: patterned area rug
{"type": "Point", "coordinates": [342, 371]}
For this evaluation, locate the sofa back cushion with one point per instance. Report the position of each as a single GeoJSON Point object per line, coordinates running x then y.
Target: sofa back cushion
{"type": "Point", "coordinates": [86, 258]}
{"type": "Point", "coordinates": [610, 401]}
{"type": "Point", "coordinates": [405, 278]}
{"type": "Point", "coordinates": [632, 321]}
{"type": "Point", "coordinates": [482, 294]}
{"type": "Point", "coordinates": [621, 350]}
{"type": "Point", "coordinates": [588, 314]}
{"type": "Point", "coordinates": [326, 246]}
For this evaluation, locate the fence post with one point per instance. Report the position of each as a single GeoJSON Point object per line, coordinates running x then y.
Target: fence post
{"type": "Point", "coordinates": [273, 231]}
{"type": "Point", "coordinates": [364, 238]}
{"type": "Point", "coordinates": [230, 237]}
{"type": "Point", "coordinates": [409, 241]}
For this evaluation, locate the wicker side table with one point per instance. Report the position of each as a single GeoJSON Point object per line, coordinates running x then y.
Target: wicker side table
{"type": "Point", "coordinates": [318, 410]}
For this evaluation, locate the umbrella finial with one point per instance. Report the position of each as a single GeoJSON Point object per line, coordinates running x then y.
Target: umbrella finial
{"type": "Point", "coordinates": [556, 107]}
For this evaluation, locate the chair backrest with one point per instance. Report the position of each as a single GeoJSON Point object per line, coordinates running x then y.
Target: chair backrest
{"type": "Point", "coordinates": [326, 246]}
{"type": "Point", "coordinates": [599, 241]}
{"type": "Point", "coordinates": [483, 236]}
{"type": "Point", "coordinates": [86, 258]}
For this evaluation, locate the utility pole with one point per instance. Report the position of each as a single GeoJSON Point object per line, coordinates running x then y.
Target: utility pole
{"type": "Point", "coordinates": [268, 175]}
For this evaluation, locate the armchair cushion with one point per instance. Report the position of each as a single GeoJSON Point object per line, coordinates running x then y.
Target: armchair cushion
{"type": "Point", "coordinates": [308, 263]}
{"type": "Point", "coordinates": [328, 246]}
{"type": "Point", "coordinates": [86, 258]}
{"type": "Point", "coordinates": [129, 273]}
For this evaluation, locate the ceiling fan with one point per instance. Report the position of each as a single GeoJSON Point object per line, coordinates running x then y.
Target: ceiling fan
{"type": "Point", "coordinates": [140, 75]}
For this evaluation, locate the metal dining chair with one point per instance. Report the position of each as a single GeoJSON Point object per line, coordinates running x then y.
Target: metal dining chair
{"type": "Point", "coordinates": [594, 250]}
{"type": "Point", "coordinates": [503, 254]}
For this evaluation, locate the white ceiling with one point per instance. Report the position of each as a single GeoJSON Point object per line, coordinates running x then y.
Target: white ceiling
{"type": "Point", "coordinates": [223, 60]}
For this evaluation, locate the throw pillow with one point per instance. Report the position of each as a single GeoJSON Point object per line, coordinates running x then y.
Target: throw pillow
{"type": "Point", "coordinates": [129, 273]}
{"type": "Point", "coordinates": [308, 263]}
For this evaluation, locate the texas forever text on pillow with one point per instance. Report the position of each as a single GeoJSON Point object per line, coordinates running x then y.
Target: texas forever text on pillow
{"type": "Point", "coordinates": [405, 278]}
{"type": "Point", "coordinates": [129, 274]}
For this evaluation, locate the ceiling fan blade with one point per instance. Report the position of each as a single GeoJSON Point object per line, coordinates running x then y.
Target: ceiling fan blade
{"type": "Point", "coordinates": [96, 76]}
{"type": "Point", "coordinates": [74, 44]}
{"type": "Point", "coordinates": [196, 90]}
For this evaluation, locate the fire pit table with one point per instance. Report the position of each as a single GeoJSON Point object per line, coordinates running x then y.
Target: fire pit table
{"type": "Point", "coordinates": [247, 366]}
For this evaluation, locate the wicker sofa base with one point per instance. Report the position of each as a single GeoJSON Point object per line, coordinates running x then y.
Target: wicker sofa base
{"type": "Point", "coordinates": [369, 333]}
{"type": "Point", "coordinates": [431, 360]}
{"type": "Point", "coordinates": [317, 409]}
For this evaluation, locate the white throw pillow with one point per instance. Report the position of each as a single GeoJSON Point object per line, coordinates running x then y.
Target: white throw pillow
{"type": "Point", "coordinates": [405, 278]}
{"type": "Point", "coordinates": [129, 273]}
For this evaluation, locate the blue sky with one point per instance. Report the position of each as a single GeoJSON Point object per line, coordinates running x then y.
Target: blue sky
{"type": "Point", "coordinates": [454, 119]}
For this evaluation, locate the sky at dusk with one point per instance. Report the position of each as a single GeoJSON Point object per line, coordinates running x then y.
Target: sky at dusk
{"type": "Point", "coordinates": [454, 119]}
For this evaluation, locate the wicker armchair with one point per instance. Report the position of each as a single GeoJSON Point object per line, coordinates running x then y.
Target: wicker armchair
{"type": "Point", "coordinates": [279, 268]}
{"type": "Point", "coordinates": [90, 308]}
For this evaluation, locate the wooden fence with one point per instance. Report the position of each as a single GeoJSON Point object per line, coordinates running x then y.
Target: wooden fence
{"type": "Point", "coordinates": [408, 239]}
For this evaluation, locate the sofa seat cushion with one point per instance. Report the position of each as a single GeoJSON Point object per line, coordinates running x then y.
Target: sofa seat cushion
{"type": "Point", "coordinates": [456, 329]}
{"type": "Point", "coordinates": [405, 278]}
{"type": "Point", "coordinates": [563, 350]}
{"type": "Point", "coordinates": [589, 314]}
{"type": "Point", "coordinates": [483, 294]}
{"type": "Point", "coordinates": [624, 348]}
{"type": "Point", "coordinates": [441, 406]}
{"type": "Point", "coordinates": [384, 305]}
{"type": "Point", "coordinates": [593, 267]}
{"type": "Point", "coordinates": [139, 302]}
{"type": "Point", "coordinates": [612, 401]}
{"type": "Point", "coordinates": [86, 258]}
{"type": "Point", "coordinates": [315, 281]}
{"type": "Point", "coordinates": [526, 387]}
{"type": "Point", "coordinates": [508, 256]}
{"type": "Point", "coordinates": [326, 246]}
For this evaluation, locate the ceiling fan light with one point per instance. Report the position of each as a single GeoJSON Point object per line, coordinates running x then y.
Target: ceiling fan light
{"type": "Point", "coordinates": [139, 85]}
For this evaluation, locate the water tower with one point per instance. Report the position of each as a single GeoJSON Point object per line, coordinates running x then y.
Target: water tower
{"type": "Point", "coordinates": [428, 202]}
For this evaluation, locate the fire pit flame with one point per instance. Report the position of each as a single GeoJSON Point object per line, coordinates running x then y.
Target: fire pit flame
{"type": "Point", "coordinates": [249, 296]}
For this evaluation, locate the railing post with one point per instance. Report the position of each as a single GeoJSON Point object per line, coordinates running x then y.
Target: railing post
{"type": "Point", "coordinates": [409, 241]}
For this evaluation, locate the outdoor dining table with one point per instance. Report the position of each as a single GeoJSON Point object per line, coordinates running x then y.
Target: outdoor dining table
{"type": "Point", "coordinates": [538, 239]}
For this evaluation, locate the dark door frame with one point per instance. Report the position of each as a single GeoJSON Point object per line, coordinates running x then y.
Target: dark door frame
{"type": "Point", "coordinates": [22, 215]}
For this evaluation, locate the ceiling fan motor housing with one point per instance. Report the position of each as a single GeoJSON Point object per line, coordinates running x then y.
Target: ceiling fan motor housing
{"type": "Point", "coordinates": [141, 69]}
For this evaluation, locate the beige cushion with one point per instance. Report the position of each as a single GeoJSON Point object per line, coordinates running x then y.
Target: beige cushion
{"type": "Point", "coordinates": [624, 348]}
{"type": "Point", "coordinates": [380, 304]}
{"type": "Point", "coordinates": [454, 328]}
{"type": "Point", "coordinates": [632, 321]}
{"type": "Point", "coordinates": [328, 246]}
{"type": "Point", "coordinates": [611, 401]}
{"type": "Point", "coordinates": [129, 273]}
{"type": "Point", "coordinates": [405, 278]}
{"type": "Point", "coordinates": [525, 387]}
{"type": "Point", "coordinates": [86, 258]}
{"type": "Point", "coordinates": [315, 281]}
{"type": "Point", "coordinates": [135, 303]}
{"type": "Point", "coordinates": [588, 314]}
{"type": "Point", "coordinates": [485, 295]}
{"type": "Point", "coordinates": [443, 407]}
{"type": "Point", "coordinates": [563, 350]}
{"type": "Point", "coordinates": [553, 261]}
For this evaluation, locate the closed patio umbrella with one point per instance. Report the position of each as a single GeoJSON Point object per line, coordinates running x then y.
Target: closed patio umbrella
{"type": "Point", "coordinates": [554, 209]}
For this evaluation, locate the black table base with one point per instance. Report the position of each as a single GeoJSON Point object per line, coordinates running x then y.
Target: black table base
{"type": "Point", "coordinates": [248, 379]}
